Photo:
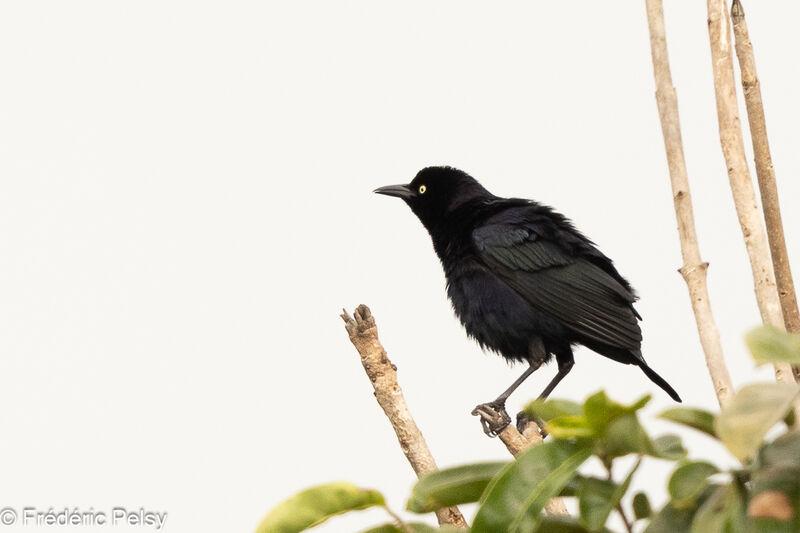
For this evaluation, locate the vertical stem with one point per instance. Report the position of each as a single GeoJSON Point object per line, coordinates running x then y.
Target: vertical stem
{"type": "Point", "coordinates": [739, 175]}
{"type": "Point", "coordinates": [693, 269]}
{"type": "Point", "coordinates": [765, 171]}
{"type": "Point", "coordinates": [610, 477]}
{"type": "Point", "coordinates": [625, 520]}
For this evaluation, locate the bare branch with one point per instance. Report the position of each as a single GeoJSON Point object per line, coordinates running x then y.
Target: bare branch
{"type": "Point", "coordinates": [739, 175]}
{"type": "Point", "coordinates": [383, 376]}
{"type": "Point", "coordinates": [765, 171]}
{"type": "Point", "coordinates": [693, 269]}
{"type": "Point", "coordinates": [382, 373]}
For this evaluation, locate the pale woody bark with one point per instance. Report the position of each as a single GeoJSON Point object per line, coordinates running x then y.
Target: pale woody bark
{"type": "Point", "coordinates": [739, 175]}
{"type": "Point", "coordinates": [383, 376]}
{"type": "Point", "coordinates": [693, 269]}
{"type": "Point", "coordinates": [765, 171]}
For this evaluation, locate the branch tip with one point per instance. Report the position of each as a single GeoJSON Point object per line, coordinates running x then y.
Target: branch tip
{"type": "Point", "coordinates": [736, 10]}
{"type": "Point", "coordinates": [364, 335]}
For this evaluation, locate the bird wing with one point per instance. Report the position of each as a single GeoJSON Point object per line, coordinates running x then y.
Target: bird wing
{"type": "Point", "coordinates": [587, 299]}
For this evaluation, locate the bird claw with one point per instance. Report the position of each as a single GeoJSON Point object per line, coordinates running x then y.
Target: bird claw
{"type": "Point", "coordinates": [494, 418]}
{"type": "Point", "coordinates": [523, 420]}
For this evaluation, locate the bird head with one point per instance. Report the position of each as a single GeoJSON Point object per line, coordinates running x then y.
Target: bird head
{"type": "Point", "coordinates": [436, 192]}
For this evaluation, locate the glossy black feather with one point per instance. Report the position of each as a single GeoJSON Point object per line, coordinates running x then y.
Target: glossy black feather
{"type": "Point", "coordinates": [519, 273]}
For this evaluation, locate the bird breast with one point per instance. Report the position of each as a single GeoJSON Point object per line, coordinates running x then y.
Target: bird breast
{"type": "Point", "coordinates": [492, 312]}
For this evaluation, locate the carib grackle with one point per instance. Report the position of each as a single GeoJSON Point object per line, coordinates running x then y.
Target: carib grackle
{"type": "Point", "coordinates": [523, 281]}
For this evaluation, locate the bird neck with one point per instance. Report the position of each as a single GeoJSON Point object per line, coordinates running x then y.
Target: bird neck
{"type": "Point", "coordinates": [452, 234]}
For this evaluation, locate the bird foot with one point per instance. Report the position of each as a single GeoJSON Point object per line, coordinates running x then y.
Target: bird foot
{"type": "Point", "coordinates": [493, 417]}
{"type": "Point", "coordinates": [523, 421]}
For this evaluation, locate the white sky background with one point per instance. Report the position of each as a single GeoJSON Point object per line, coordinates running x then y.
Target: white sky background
{"type": "Point", "coordinates": [185, 207]}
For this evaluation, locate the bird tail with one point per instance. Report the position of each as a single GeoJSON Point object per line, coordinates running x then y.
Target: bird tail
{"type": "Point", "coordinates": [658, 380]}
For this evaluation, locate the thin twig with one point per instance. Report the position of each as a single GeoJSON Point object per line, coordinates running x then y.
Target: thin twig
{"type": "Point", "coordinates": [383, 375]}
{"type": "Point", "coordinates": [739, 175]}
{"type": "Point", "coordinates": [765, 172]}
{"type": "Point", "coordinates": [610, 477]}
{"type": "Point", "coordinates": [625, 520]}
{"type": "Point", "coordinates": [693, 269]}
{"type": "Point", "coordinates": [399, 521]}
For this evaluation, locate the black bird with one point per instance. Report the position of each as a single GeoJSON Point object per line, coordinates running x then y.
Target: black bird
{"type": "Point", "coordinates": [523, 281]}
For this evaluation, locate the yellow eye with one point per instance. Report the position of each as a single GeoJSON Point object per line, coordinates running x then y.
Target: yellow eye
{"type": "Point", "coordinates": [422, 189]}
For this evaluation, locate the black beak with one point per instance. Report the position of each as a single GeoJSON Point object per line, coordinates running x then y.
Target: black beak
{"type": "Point", "coordinates": [400, 191]}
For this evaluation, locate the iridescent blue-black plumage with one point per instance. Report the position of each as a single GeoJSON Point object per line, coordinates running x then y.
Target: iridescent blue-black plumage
{"type": "Point", "coordinates": [522, 280]}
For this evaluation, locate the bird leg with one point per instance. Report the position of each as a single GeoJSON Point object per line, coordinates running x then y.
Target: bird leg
{"type": "Point", "coordinates": [565, 364]}
{"type": "Point", "coordinates": [493, 414]}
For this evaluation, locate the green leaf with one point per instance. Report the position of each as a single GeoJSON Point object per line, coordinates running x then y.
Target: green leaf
{"type": "Point", "coordinates": [669, 447]}
{"type": "Point", "coordinates": [775, 501]}
{"type": "Point", "coordinates": [776, 494]}
{"type": "Point", "coordinates": [452, 486]}
{"type": "Point", "coordinates": [748, 417]}
{"type": "Point", "coordinates": [384, 528]}
{"type": "Point", "coordinates": [315, 505]}
{"type": "Point", "coordinates": [689, 481]}
{"type": "Point", "coordinates": [698, 419]}
{"type": "Point", "coordinates": [783, 452]}
{"type": "Point", "coordinates": [547, 410]}
{"type": "Point", "coordinates": [561, 524]}
{"type": "Point", "coordinates": [594, 501]}
{"type": "Point", "coordinates": [598, 497]}
{"type": "Point", "coordinates": [670, 520]}
{"type": "Point", "coordinates": [785, 480]}
{"type": "Point", "coordinates": [625, 435]}
{"type": "Point", "coordinates": [769, 344]}
{"type": "Point", "coordinates": [569, 427]}
{"type": "Point", "coordinates": [416, 527]}
{"type": "Point", "coordinates": [641, 506]}
{"type": "Point", "coordinates": [771, 525]}
{"type": "Point", "coordinates": [722, 512]}
{"type": "Point", "coordinates": [600, 411]}
{"type": "Point", "coordinates": [514, 499]}
{"type": "Point", "coordinates": [572, 486]}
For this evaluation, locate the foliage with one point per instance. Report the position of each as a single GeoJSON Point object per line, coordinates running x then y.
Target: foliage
{"type": "Point", "coordinates": [315, 505]}
{"type": "Point", "coordinates": [761, 494]}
